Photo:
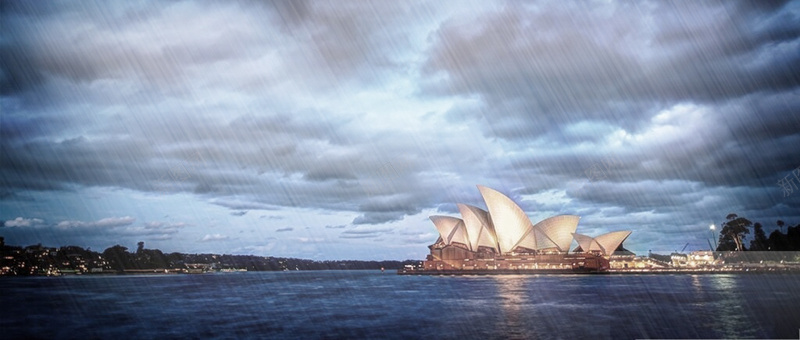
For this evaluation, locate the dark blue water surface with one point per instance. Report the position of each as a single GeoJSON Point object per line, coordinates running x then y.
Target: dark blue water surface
{"type": "Point", "coordinates": [371, 304]}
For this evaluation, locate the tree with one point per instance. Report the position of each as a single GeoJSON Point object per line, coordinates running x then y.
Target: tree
{"type": "Point", "coordinates": [730, 237]}
{"type": "Point", "coordinates": [777, 241]}
{"type": "Point", "coordinates": [139, 247]}
{"type": "Point", "coordinates": [793, 238]}
{"type": "Point", "coordinates": [118, 257]}
{"type": "Point", "coordinates": [781, 224]}
{"type": "Point", "coordinates": [759, 242]}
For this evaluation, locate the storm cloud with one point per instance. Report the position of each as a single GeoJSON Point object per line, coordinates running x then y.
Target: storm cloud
{"type": "Point", "coordinates": [360, 119]}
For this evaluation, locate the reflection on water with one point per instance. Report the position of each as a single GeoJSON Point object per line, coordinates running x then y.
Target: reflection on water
{"type": "Point", "coordinates": [696, 284]}
{"type": "Point", "coordinates": [729, 315]}
{"type": "Point", "coordinates": [547, 306]}
{"type": "Point", "coordinates": [512, 296]}
{"type": "Point", "coordinates": [364, 304]}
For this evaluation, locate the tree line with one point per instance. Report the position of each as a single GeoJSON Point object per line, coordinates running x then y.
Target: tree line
{"type": "Point", "coordinates": [735, 228]}
{"type": "Point", "coordinates": [119, 259]}
{"type": "Point", "coordinates": [40, 260]}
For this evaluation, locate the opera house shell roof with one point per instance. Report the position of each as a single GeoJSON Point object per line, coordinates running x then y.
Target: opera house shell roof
{"type": "Point", "coordinates": [605, 244]}
{"type": "Point", "coordinates": [505, 228]}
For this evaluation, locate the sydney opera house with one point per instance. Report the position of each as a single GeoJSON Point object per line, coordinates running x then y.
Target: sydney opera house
{"type": "Point", "coordinates": [503, 239]}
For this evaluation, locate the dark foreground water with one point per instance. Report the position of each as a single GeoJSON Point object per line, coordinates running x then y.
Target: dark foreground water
{"type": "Point", "coordinates": [370, 304]}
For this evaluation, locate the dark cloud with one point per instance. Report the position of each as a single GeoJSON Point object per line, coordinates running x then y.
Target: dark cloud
{"type": "Point", "coordinates": [378, 217]}
{"type": "Point", "coordinates": [633, 115]}
{"type": "Point", "coordinates": [540, 69]}
{"type": "Point", "coordinates": [168, 145]}
{"type": "Point", "coordinates": [49, 165]}
{"type": "Point", "coordinates": [10, 195]}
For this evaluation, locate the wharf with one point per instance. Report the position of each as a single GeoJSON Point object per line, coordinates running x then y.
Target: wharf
{"type": "Point", "coordinates": [648, 271]}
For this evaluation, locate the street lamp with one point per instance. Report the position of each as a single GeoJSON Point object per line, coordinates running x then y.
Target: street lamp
{"type": "Point", "coordinates": [712, 228]}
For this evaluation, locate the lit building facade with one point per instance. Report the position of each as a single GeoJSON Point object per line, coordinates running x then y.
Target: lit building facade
{"type": "Point", "coordinates": [503, 238]}
{"type": "Point", "coordinates": [695, 259]}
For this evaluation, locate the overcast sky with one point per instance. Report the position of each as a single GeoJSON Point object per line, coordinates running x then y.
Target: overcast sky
{"type": "Point", "coordinates": [332, 130]}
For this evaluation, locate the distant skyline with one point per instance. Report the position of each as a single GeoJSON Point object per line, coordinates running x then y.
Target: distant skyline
{"type": "Point", "coordinates": [332, 130]}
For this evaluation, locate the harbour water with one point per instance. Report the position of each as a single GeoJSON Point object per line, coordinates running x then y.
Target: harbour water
{"type": "Point", "coordinates": [371, 304]}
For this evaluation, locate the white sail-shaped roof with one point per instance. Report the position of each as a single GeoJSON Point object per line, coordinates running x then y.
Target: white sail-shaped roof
{"type": "Point", "coordinates": [587, 243]}
{"type": "Point", "coordinates": [557, 231]}
{"type": "Point", "coordinates": [611, 241]}
{"type": "Point", "coordinates": [606, 244]}
{"type": "Point", "coordinates": [505, 227]}
{"type": "Point", "coordinates": [542, 240]}
{"type": "Point", "coordinates": [509, 221]}
{"type": "Point", "coordinates": [554, 232]}
{"type": "Point", "coordinates": [488, 238]}
{"type": "Point", "coordinates": [528, 241]}
{"type": "Point", "coordinates": [479, 227]}
{"type": "Point", "coordinates": [451, 229]}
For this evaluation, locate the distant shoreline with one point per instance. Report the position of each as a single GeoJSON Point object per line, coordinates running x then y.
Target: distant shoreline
{"type": "Point", "coordinates": [38, 260]}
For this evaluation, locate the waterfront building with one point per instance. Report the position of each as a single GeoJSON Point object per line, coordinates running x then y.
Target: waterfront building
{"type": "Point", "coordinates": [695, 259]}
{"type": "Point", "coordinates": [502, 237]}
{"type": "Point", "coordinates": [631, 261]}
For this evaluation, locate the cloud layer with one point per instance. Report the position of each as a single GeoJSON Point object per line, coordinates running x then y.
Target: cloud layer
{"type": "Point", "coordinates": [645, 116]}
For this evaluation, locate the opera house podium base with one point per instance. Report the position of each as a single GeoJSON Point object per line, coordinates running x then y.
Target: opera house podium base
{"type": "Point", "coordinates": [406, 271]}
{"type": "Point", "coordinates": [511, 264]}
